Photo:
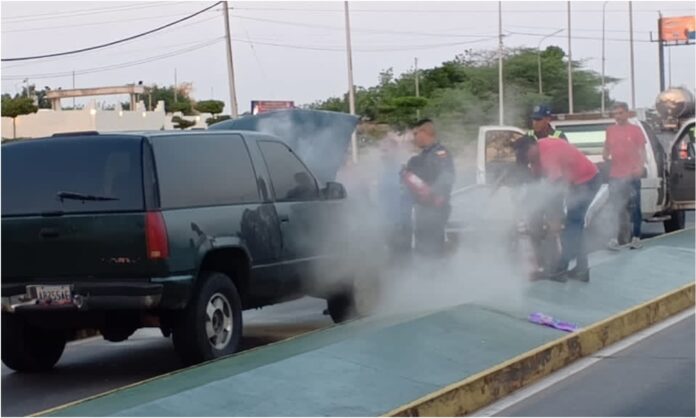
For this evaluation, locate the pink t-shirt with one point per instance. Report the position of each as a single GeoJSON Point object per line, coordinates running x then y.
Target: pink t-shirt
{"type": "Point", "coordinates": [625, 143]}
{"type": "Point", "coordinates": [561, 160]}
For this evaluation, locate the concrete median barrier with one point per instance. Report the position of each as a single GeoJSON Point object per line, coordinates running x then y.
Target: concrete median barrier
{"type": "Point", "coordinates": [448, 362]}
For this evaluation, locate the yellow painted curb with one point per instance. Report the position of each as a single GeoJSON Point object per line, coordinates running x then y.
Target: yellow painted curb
{"type": "Point", "coordinates": [483, 388]}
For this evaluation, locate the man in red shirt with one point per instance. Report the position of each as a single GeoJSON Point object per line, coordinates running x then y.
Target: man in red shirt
{"type": "Point", "coordinates": [567, 167]}
{"type": "Point", "coordinates": [625, 148]}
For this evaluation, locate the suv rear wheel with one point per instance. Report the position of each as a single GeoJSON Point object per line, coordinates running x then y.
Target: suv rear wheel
{"type": "Point", "coordinates": [27, 348]}
{"type": "Point", "coordinates": [211, 325]}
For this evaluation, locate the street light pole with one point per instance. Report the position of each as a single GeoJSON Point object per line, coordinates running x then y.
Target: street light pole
{"type": "Point", "coordinates": [500, 62]}
{"type": "Point", "coordinates": [351, 89]}
{"type": "Point", "coordinates": [541, 91]}
{"type": "Point", "coordinates": [633, 78]}
{"type": "Point", "coordinates": [570, 67]}
{"type": "Point", "coordinates": [230, 63]}
{"type": "Point", "coordinates": [604, 8]}
{"type": "Point", "coordinates": [417, 85]}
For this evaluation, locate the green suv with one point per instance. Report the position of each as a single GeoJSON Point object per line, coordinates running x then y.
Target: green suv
{"type": "Point", "coordinates": [180, 230]}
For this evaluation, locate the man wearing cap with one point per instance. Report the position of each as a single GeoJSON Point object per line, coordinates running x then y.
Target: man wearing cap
{"type": "Point", "coordinates": [541, 125]}
{"type": "Point", "coordinates": [429, 176]}
{"type": "Point", "coordinates": [577, 178]}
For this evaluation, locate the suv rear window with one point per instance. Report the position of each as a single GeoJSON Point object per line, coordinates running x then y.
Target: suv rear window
{"type": "Point", "coordinates": [34, 173]}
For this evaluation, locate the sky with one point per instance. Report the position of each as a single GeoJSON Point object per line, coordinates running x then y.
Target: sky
{"type": "Point", "coordinates": [297, 50]}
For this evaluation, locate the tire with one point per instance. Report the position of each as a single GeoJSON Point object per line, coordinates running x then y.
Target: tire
{"type": "Point", "coordinates": [211, 325]}
{"type": "Point", "coordinates": [357, 302]}
{"type": "Point", "coordinates": [26, 348]}
{"type": "Point", "coordinates": [675, 222]}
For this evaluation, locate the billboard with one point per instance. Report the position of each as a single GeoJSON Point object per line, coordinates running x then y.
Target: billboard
{"type": "Point", "coordinates": [678, 28]}
{"type": "Point", "coordinates": [261, 106]}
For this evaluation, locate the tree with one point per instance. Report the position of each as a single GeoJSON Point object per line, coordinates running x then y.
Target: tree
{"type": "Point", "coordinates": [216, 119]}
{"type": "Point", "coordinates": [182, 123]}
{"type": "Point", "coordinates": [210, 106]}
{"type": "Point", "coordinates": [166, 94]}
{"type": "Point", "coordinates": [17, 107]}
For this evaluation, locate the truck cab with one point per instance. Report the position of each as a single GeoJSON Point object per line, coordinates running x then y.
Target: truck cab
{"type": "Point", "coordinates": [587, 132]}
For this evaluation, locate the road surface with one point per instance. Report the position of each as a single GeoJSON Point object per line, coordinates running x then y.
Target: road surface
{"type": "Point", "coordinates": [654, 377]}
{"type": "Point", "coordinates": [93, 366]}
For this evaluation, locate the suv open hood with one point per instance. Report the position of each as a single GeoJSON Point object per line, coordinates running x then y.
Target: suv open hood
{"type": "Point", "coordinates": [320, 138]}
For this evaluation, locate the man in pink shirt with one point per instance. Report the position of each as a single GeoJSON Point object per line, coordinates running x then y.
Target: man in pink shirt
{"type": "Point", "coordinates": [625, 148]}
{"type": "Point", "coordinates": [563, 164]}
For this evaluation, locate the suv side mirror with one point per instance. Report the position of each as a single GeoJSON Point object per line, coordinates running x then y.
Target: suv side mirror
{"type": "Point", "coordinates": [334, 191]}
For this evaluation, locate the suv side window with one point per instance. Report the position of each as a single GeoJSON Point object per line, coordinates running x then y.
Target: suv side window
{"type": "Point", "coordinates": [204, 170]}
{"type": "Point", "coordinates": [291, 179]}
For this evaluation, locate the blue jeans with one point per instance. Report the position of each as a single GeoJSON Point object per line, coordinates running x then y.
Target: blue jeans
{"type": "Point", "coordinates": [625, 195]}
{"type": "Point", "coordinates": [579, 198]}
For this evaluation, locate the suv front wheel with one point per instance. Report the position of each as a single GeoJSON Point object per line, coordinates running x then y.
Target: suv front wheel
{"type": "Point", "coordinates": [211, 325]}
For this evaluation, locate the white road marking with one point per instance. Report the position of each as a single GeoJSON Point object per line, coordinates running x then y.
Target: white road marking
{"type": "Point", "coordinates": [564, 373]}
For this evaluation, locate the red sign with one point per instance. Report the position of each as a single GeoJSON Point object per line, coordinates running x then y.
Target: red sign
{"type": "Point", "coordinates": [261, 106]}
{"type": "Point", "coordinates": [677, 28]}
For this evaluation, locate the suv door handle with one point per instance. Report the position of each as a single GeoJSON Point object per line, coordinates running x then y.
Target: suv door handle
{"type": "Point", "coordinates": [284, 218]}
{"type": "Point", "coordinates": [49, 232]}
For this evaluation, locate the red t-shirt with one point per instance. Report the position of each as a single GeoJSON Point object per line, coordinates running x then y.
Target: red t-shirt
{"type": "Point", "coordinates": [561, 160]}
{"type": "Point", "coordinates": [625, 143]}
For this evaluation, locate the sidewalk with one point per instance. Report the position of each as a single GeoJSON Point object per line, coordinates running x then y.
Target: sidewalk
{"type": "Point", "coordinates": [377, 366]}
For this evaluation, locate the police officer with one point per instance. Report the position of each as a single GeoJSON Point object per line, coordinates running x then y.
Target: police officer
{"type": "Point", "coordinates": [541, 125]}
{"type": "Point", "coordinates": [434, 166]}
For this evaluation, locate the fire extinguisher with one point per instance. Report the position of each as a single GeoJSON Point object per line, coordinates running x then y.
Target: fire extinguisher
{"type": "Point", "coordinates": [420, 190]}
{"type": "Point", "coordinates": [683, 151]}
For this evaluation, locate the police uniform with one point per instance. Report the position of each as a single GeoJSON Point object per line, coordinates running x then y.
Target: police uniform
{"type": "Point", "coordinates": [435, 167]}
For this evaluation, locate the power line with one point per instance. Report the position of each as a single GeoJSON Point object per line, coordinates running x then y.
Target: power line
{"type": "Point", "coordinates": [196, 47]}
{"type": "Point", "coordinates": [78, 13]}
{"type": "Point", "coordinates": [114, 42]}
{"type": "Point", "coordinates": [311, 25]}
{"type": "Point", "coordinates": [305, 11]}
{"type": "Point", "coordinates": [129, 19]}
{"type": "Point", "coordinates": [578, 37]}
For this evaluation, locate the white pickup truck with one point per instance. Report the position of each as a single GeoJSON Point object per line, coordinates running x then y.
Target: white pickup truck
{"type": "Point", "coordinates": [667, 189]}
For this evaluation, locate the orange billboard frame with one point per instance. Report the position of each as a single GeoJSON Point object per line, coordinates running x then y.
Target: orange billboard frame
{"type": "Point", "coordinates": [677, 28]}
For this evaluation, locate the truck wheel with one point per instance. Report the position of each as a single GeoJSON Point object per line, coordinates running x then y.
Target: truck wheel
{"type": "Point", "coordinates": [675, 222]}
{"type": "Point", "coordinates": [211, 325]}
{"type": "Point", "coordinates": [358, 301]}
{"type": "Point", "coordinates": [26, 348]}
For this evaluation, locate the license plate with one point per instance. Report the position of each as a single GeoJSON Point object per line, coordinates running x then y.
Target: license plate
{"type": "Point", "coordinates": [53, 294]}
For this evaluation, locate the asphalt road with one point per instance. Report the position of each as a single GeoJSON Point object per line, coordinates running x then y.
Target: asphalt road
{"type": "Point", "coordinates": [654, 377]}
{"type": "Point", "coordinates": [93, 366]}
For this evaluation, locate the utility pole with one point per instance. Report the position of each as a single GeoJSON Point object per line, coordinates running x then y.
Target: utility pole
{"type": "Point", "coordinates": [604, 9]}
{"type": "Point", "coordinates": [541, 90]}
{"type": "Point", "coordinates": [175, 86]}
{"type": "Point", "coordinates": [500, 63]}
{"type": "Point", "coordinates": [633, 78]}
{"type": "Point", "coordinates": [661, 52]}
{"type": "Point", "coordinates": [417, 86]}
{"type": "Point", "coordinates": [351, 90]}
{"type": "Point", "coordinates": [230, 65]}
{"type": "Point", "coordinates": [73, 86]}
{"type": "Point", "coordinates": [570, 67]}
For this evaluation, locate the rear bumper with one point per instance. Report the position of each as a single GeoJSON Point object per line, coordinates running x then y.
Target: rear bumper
{"type": "Point", "coordinates": [87, 296]}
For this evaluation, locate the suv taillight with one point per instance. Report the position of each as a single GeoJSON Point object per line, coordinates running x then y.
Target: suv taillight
{"type": "Point", "coordinates": [156, 236]}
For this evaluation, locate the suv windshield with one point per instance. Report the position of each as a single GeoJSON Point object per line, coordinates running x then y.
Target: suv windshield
{"type": "Point", "coordinates": [72, 175]}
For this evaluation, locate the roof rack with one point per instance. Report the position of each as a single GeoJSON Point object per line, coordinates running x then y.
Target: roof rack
{"type": "Point", "coordinates": [588, 115]}
{"type": "Point", "coordinates": [78, 133]}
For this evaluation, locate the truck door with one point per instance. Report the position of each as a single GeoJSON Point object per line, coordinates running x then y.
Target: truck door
{"type": "Point", "coordinates": [495, 153]}
{"type": "Point", "coordinates": [302, 212]}
{"type": "Point", "coordinates": [682, 161]}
